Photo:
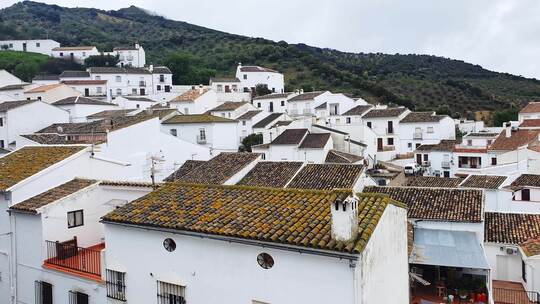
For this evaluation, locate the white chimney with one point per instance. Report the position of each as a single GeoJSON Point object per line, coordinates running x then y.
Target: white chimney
{"type": "Point", "coordinates": [201, 89]}
{"type": "Point", "coordinates": [344, 219]}
{"type": "Point", "coordinates": [508, 130]}
{"type": "Point", "coordinates": [301, 91]}
{"type": "Point", "coordinates": [151, 68]}
{"type": "Point", "coordinates": [137, 46]}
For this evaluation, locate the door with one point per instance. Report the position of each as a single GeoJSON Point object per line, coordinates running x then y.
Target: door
{"type": "Point", "coordinates": [390, 127]}
{"type": "Point", "coordinates": [87, 92]}
{"type": "Point", "coordinates": [167, 88]}
{"type": "Point", "coordinates": [379, 144]}
{"type": "Point", "coordinates": [24, 47]}
{"type": "Point", "coordinates": [446, 173]}
{"type": "Point", "coordinates": [271, 107]}
{"type": "Point", "coordinates": [143, 92]}
{"type": "Point", "coordinates": [419, 159]}
{"type": "Point", "coordinates": [502, 268]}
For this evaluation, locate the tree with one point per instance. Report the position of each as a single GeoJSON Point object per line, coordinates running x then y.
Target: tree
{"type": "Point", "coordinates": [57, 66]}
{"type": "Point", "coordinates": [262, 89]}
{"type": "Point", "coordinates": [25, 71]}
{"type": "Point", "coordinates": [102, 61]}
{"type": "Point", "coordinates": [188, 69]}
{"type": "Point", "coordinates": [500, 117]}
{"type": "Point", "coordinates": [249, 141]}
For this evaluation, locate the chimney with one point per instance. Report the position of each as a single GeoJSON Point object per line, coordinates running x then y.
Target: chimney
{"type": "Point", "coordinates": [201, 89]}
{"type": "Point", "coordinates": [344, 219]}
{"type": "Point", "coordinates": [151, 68]}
{"type": "Point", "coordinates": [137, 46]}
{"type": "Point", "coordinates": [508, 130]}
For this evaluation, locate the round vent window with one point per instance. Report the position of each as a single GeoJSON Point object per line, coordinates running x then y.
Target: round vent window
{"type": "Point", "coordinates": [265, 260]}
{"type": "Point", "coordinates": [169, 244]}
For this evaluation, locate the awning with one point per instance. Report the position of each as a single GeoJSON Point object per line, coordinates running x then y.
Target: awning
{"type": "Point", "coordinates": [447, 248]}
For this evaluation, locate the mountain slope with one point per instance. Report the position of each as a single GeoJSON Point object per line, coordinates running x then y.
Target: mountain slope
{"type": "Point", "coordinates": [418, 81]}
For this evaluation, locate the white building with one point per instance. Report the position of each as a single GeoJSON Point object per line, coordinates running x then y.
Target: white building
{"type": "Point", "coordinates": [384, 122]}
{"type": "Point", "coordinates": [229, 89]}
{"type": "Point", "coordinates": [218, 134]}
{"type": "Point", "coordinates": [51, 92]}
{"type": "Point", "coordinates": [134, 102]}
{"type": "Point", "coordinates": [251, 76]}
{"type": "Point", "coordinates": [6, 78]}
{"type": "Point", "coordinates": [13, 92]}
{"type": "Point", "coordinates": [19, 117]}
{"type": "Point", "coordinates": [80, 107]}
{"type": "Point", "coordinates": [75, 53]}
{"type": "Point", "coordinates": [88, 87]}
{"type": "Point", "coordinates": [531, 111]}
{"type": "Point", "coordinates": [232, 110]}
{"type": "Point", "coordinates": [131, 56]}
{"type": "Point", "coordinates": [418, 128]}
{"type": "Point", "coordinates": [195, 101]}
{"type": "Point", "coordinates": [124, 81]}
{"type": "Point", "coordinates": [182, 264]}
{"type": "Point", "coordinates": [275, 102]}
{"type": "Point", "coordinates": [42, 46]}
{"type": "Point", "coordinates": [247, 120]}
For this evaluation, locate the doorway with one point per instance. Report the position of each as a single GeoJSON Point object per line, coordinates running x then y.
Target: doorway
{"type": "Point", "coordinates": [379, 144]}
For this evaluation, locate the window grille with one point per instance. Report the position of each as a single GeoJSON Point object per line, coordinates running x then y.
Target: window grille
{"type": "Point", "coordinates": [116, 285]}
{"type": "Point", "coordinates": [43, 292]}
{"type": "Point", "coordinates": [170, 294]}
{"type": "Point", "coordinates": [76, 297]}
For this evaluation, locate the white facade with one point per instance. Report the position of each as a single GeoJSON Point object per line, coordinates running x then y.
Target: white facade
{"type": "Point", "coordinates": [79, 112]}
{"type": "Point", "coordinates": [22, 120]}
{"type": "Point", "coordinates": [273, 102]}
{"type": "Point", "coordinates": [42, 46]}
{"type": "Point", "coordinates": [131, 56]}
{"type": "Point", "coordinates": [78, 53]}
{"type": "Point", "coordinates": [130, 81]}
{"type": "Point", "coordinates": [89, 88]}
{"type": "Point", "coordinates": [411, 134]}
{"type": "Point", "coordinates": [251, 76]}
{"type": "Point", "coordinates": [206, 100]}
{"type": "Point", "coordinates": [6, 78]}
{"type": "Point", "coordinates": [51, 93]}
{"type": "Point", "coordinates": [131, 102]}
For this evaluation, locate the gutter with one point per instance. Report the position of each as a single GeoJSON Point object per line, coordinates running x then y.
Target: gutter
{"type": "Point", "coordinates": [291, 248]}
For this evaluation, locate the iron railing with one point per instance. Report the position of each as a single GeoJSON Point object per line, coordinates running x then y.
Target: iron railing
{"type": "Point", "coordinates": [68, 255]}
{"type": "Point", "coordinates": [502, 295]}
{"type": "Point", "coordinates": [76, 297]}
{"type": "Point", "coordinates": [116, 285]}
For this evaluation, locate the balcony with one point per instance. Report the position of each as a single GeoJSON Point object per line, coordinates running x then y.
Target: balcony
{"type": "Point", "coordinates": [201, 140]}
{"type": "Point", "coordinates": [386, 148]}
{"type": "Point", "coordinates": [69, 258]}
{"type": "Point", "coordinates": [445, 165]}
{"type": "Point", "coordinates": [417, 136]}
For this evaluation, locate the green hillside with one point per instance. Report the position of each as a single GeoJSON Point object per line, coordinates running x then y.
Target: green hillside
{"type": "Point", "coordinates": [418, 81]}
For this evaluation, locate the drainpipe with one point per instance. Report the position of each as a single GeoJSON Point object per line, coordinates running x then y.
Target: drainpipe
{"type": "Point", "coordinates": [352, 266]}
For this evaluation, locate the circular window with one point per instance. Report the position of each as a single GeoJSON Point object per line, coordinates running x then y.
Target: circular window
{"type": "Point", "coordinates": [169, 244]}
{"type": "Point", "coordinates": [265, 260]}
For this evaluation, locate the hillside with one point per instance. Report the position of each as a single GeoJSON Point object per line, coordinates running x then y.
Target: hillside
{"type": "Point", "coordinates": [418, 81]}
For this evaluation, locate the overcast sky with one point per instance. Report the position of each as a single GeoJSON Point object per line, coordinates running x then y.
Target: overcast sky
{"type": "Point", "coordinates": [501, 35]}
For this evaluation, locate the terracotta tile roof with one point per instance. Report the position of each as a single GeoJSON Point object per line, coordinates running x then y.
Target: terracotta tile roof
{"type": "Point", "coordinates": [191, 95]}
{"type": "Point", "coordinates": [110, 113]}
{"type": "Point", "coordinates": [272, 96]}
{"type": "Point", "coordinates": [196, 118]}
{"type": "Point", "coordinates": [432, 182]}
{"type": "Point", "coordinates": [229, 106]}
{"type": "Point", "coordinates": [306, 96]}
{"type": "Point", "coordinates": [254, 68]}
{"type": "Point", "coordinates": [511, 228]}
{"type": "Point", "coordinates": [388, 112]}
{"type": "Point", "coordinates": [518, 138]}
{"type": "Point", "coordinates": [438, 204]}
{"type": "Point", "coordinates": [84, 82]}
{"type": "Point", "coordinates": [417, 117]}
{"type": "Point", "coordinates": [224, 79]}
{"type": "Point", "coordinates": [530, 123]}
{"type": "Point", "coordinates": [358, 110]}
{"type": "Point", "coordinates": [531, 247]}
{"type": "Point", "coordinates": [281, 123]}
{"type": "Point", "coordinates": [315, 141]}
{"type": "Point", "coordinates": [527, 180]}
{"type": "Point", "coordinates": [11, 87]}
{"type": "Point", "coordinates": [118, 70]}
{"type": "Point", "coordinates": [327, 176]}
{"type": "Point", "coordinates": [249, 115]}
{"type": "Point", "coordinates": [46, 77]}
{"type": "Point", "coordinates": [186, 167]}
{"type": "Point", "coordinates": [220, 168]}
{"type": "Point", "coordinates": [298, 218]}
{"type": "Point", "coordinates": [27, 161]}
{"type": "Point", "coordinates": [532, 107]}
{"type": "Point", "coordinates": [99, 126]}
{"type": "Point", "coordinates": [57, 139]}
{"type": "Point", "coordinates": [338, 157]}
{"type": "Point", "coordinates": [74, 48]}
{"type": "Point", "coordinates": [133, 184]}
{"type": "Point", "coordinates": [482, 134]}
{"type": "Point", "coordinates": [161, 70]}
{"type": "Point", "coordinates": [483, 181]}
{"type": "Point", "coordinates": [443, 145]}
{"type": "Point", "coordinates": [52, 195]}
{"type": "Point", "coordinates": [290, 137]}
{"type": "Point", "coordinates": [82, 100]}
{"type": "Point", "coordinates": [271, 174]}
{"type": "Point", "coordinates": [267, 120]}
{"type": "Point", "coordinates": [138, 98]}
{"type": "Point", "coordinates": [75, 74]}
{"type": "Point", "coordinates": [10, 105]}
{"type": "Point", "coordinates": [45, 88]}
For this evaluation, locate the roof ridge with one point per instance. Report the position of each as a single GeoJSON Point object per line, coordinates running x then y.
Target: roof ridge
{"type": "Point", "coordinates": [267, 189]}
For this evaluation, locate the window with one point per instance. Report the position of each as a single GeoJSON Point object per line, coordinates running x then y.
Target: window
{"type": "Point", "coordinates": [167, 88]}
{"type": "Point", "coordinates": [369, 124]}
{"type": "Point", "coordinates": [84, 54]}
{"type": "Point", "coordinates": [76, 297]}
{"type": "Point", "coordinates": [390, 141]}
{"type": "Point", "coordinates": [118, 78]}
{"type": "Point", "coordinates": [158, 87]}
{"type": "Point", "coordinates": [38, 44]}
{"type": "Point", "coordinates": [161, 78]}
{"type": "Point", "coordinates": [11, 45]}
{"type": "Point", "coordinates": [98, 77]}
{"type": "Point", "coordinates": [526, 194]}
{"type": "Point", "coordinates": [426, 157]}
{"type": "Point", "coordinates": [245, 76]}
{"type": "Point", "coordinates": [39, 98]}
{"type": "Point", "coordinates": [265, 260]}
{"type": "Point", "coordinates": [118, 91]}
{"type": "Point", "coordinates": [61, 54]}
{"type": "Point", "coordinates": [229, 114]}
{"type": "Point", "coordinates": [202, 134]}
{"type": "Point", "coordinates": [168, 293]}
{"type": "Point", "coordinates": [446, 173]}
{"type": "Point", "coordinates": [258, 104]}
{"type": "Point", "coordinates": [409, 145]}
{"type": "Point", "coordinates": [493, 161]}
{"type": "Point", "coordinates": [220, 88]}
{"type": "Point", "coordinates": [43, 292]}
{"type": "Point", "coordinates": [430, 129]}
{"type": "Point", "coordinates": [174, 132]}
{"type": "Point", "coordinates": [75, 218]}
{"type": "Point", "coordinates": [469, 142]}
{"type": "Point", "coordinates": [489, 141]}
{"type": "Point", "coordinates": [99, 90]}
{"type": "Point", "coordinates": [243, 122]}
{"type": "Point", "coordinates": [116, 285]}
{"type": "Point", "coordinates": [1, 122]}
{"type": "Point", "coordinates": [348, 120]}
{"type": "Point", "coordinates": [417, 145]}
{"type": "Point", "coordinates": [283, 103]}
{"type": "Point", "coordinates": [234, 88]}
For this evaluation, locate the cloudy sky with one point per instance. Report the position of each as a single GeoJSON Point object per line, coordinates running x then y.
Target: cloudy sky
{"type": "Point", "coordinates": [501, 35]}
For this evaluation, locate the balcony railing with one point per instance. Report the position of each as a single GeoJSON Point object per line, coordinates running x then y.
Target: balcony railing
{"type": "Point", "coordinates": [445, 165]}
{"type": "Point", "coordinates": [469, 166]}
{"type": "Point", "coordinates": [502, 295]}
{"type": "Point", "coordinates": [386, 148]}
{"type": "Point", "coordinates": [68, 255]}
{"type": "Point", "coordinates": [417, 136]}
{"type": "Point", "coordinates": [201, 139]}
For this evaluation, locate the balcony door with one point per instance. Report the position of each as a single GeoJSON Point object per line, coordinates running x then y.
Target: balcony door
{"type": "Point", "coordinates": [390, 127]}
{"type": "Point", "coordinates": [143, 92]}
{"type": "Point", "coordinates": [379, 144]}
{"type": "Point", "coordinates": [271, 107]}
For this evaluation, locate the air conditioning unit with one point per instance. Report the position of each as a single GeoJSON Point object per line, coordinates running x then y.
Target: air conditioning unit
{"type": "Point", "coordinates": [511, 251]}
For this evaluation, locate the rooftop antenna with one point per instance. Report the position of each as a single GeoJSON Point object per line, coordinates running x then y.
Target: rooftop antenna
{"type": "Point", "coordinates": [154, 161]}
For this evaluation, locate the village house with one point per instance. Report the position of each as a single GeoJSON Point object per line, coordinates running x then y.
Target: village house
{"type": "Point", "coordinates": [338, 262]}
{"type": "Point", "coordinates": [80, 107]}
{"type": "Point", "coordinates": [195, 101]}
{"type": "Point", "coordinates": [247, 120]}
{"type": "Point", "coordinates": [133, 56]}
{"type": "Point", "coordinates": [51, 92]}
{"type": "Point", "coordinates": [19, 117]}
{"type": "Point", "coordinates": [42, 46]}
{"type": "Point", "coordinates": [124, 80]}
{"type": "Point", "coordinates": [134, 102]}
{"type": "Point", "coordinates": [74, 53]}
{"type": "Point", "coordinates": [231, 110]}
{"type": "Point", "coordinates": [271, 125]}
{"type": "Point", "coordinates": [384, 122]}
{"type": "Point", "coordinates": [524, 195]}
{"type": "Point", "coordinates": [275, 102]}
{"type": "Point", "coordinates": [219, 134]}
{"type": "Point", "coordinates": [251, 76]}
{"type": "Point", "coordinates": [423, 128]}
{"type": "Point", "coordinates": [530, 111]}
{"type": "Point", "coordinates": [229, 89]}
